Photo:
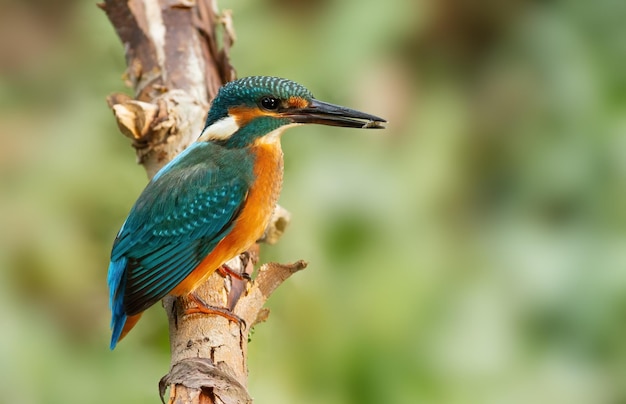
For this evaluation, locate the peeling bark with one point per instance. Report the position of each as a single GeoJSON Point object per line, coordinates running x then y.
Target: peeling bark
{"type": "Point", "coordinates": [175, 66]}
{"type": "Point", "coordinates": [175, 69]}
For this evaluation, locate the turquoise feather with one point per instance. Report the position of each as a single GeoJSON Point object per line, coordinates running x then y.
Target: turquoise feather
{"type": "Point", "coordinates": [181, 215]}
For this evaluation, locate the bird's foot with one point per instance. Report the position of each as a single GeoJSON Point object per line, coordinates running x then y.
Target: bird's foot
{"type": "Point", "coordinates": [225, 271]}
{"type": "Point", "coordinates": [204, 308]}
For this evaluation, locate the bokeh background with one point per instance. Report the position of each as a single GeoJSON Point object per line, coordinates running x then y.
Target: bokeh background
{"type": "Point", "coordinates": [473, 252]}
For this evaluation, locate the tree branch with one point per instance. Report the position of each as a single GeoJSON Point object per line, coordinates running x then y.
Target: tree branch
{"type": "Point", "coordinates": [176, 66]}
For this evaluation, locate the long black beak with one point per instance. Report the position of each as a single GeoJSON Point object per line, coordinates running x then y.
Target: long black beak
{"type": "Point", "coordinates": [334, 115]}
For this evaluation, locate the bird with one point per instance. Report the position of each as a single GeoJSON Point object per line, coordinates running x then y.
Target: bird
{"type": "Point", "coordinates": [213, 200]}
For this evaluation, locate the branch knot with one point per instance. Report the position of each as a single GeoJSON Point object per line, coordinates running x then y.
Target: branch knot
{"type": "Point", "coordinates": [201, 374]}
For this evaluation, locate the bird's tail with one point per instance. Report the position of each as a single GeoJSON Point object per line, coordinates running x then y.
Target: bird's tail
{"type": "Point", "coordinates": [117, 326]}
{"type": "Point", "coordinates": [121, 324]}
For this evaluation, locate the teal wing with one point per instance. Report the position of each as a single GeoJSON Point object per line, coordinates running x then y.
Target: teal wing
{"type": "Point", "coordinates": [179, 218]}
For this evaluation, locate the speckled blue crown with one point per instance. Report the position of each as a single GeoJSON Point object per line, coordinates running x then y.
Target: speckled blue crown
{"type": "Point", "coordinates": [248, 90]}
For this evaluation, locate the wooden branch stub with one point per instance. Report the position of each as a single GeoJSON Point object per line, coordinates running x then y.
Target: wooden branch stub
{"type": "Point", "coordinates": [198, 375]}
{"type": "Point", "coordinates": [278, 224]}
{"type": "Point", "coordinates": [135, 119]}
{"type": "Point", "coordinates": [271, 275]}
{"type": "Point", "coordinates": [159, 129]}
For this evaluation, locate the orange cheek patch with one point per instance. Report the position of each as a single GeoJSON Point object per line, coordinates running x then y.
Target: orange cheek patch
{"type": "Point", "coordinates": [297, 102]}
{"type": "Point", "coordinates": [243, 115]}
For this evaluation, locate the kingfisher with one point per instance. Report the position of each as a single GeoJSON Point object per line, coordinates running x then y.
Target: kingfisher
{"type": "Point", "coordinates": [214, 200]}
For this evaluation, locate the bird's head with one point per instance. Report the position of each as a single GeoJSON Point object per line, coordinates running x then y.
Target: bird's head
{"type": "Point", "coordinates": [252, 108]}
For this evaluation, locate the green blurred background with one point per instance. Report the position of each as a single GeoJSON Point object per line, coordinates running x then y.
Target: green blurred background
{"type": "Point", "coordinates": [473, 252]}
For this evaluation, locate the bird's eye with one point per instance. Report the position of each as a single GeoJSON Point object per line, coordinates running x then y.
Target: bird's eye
{"type": "Point", "coordinates": [269, 103]}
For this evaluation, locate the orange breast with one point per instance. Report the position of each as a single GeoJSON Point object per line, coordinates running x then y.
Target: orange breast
{"type": "Point", "coordinates": [252, 220]}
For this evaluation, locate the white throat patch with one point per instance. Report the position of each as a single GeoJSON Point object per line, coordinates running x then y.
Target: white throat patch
{"type": "Point", "coordinates": [220, 130]}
